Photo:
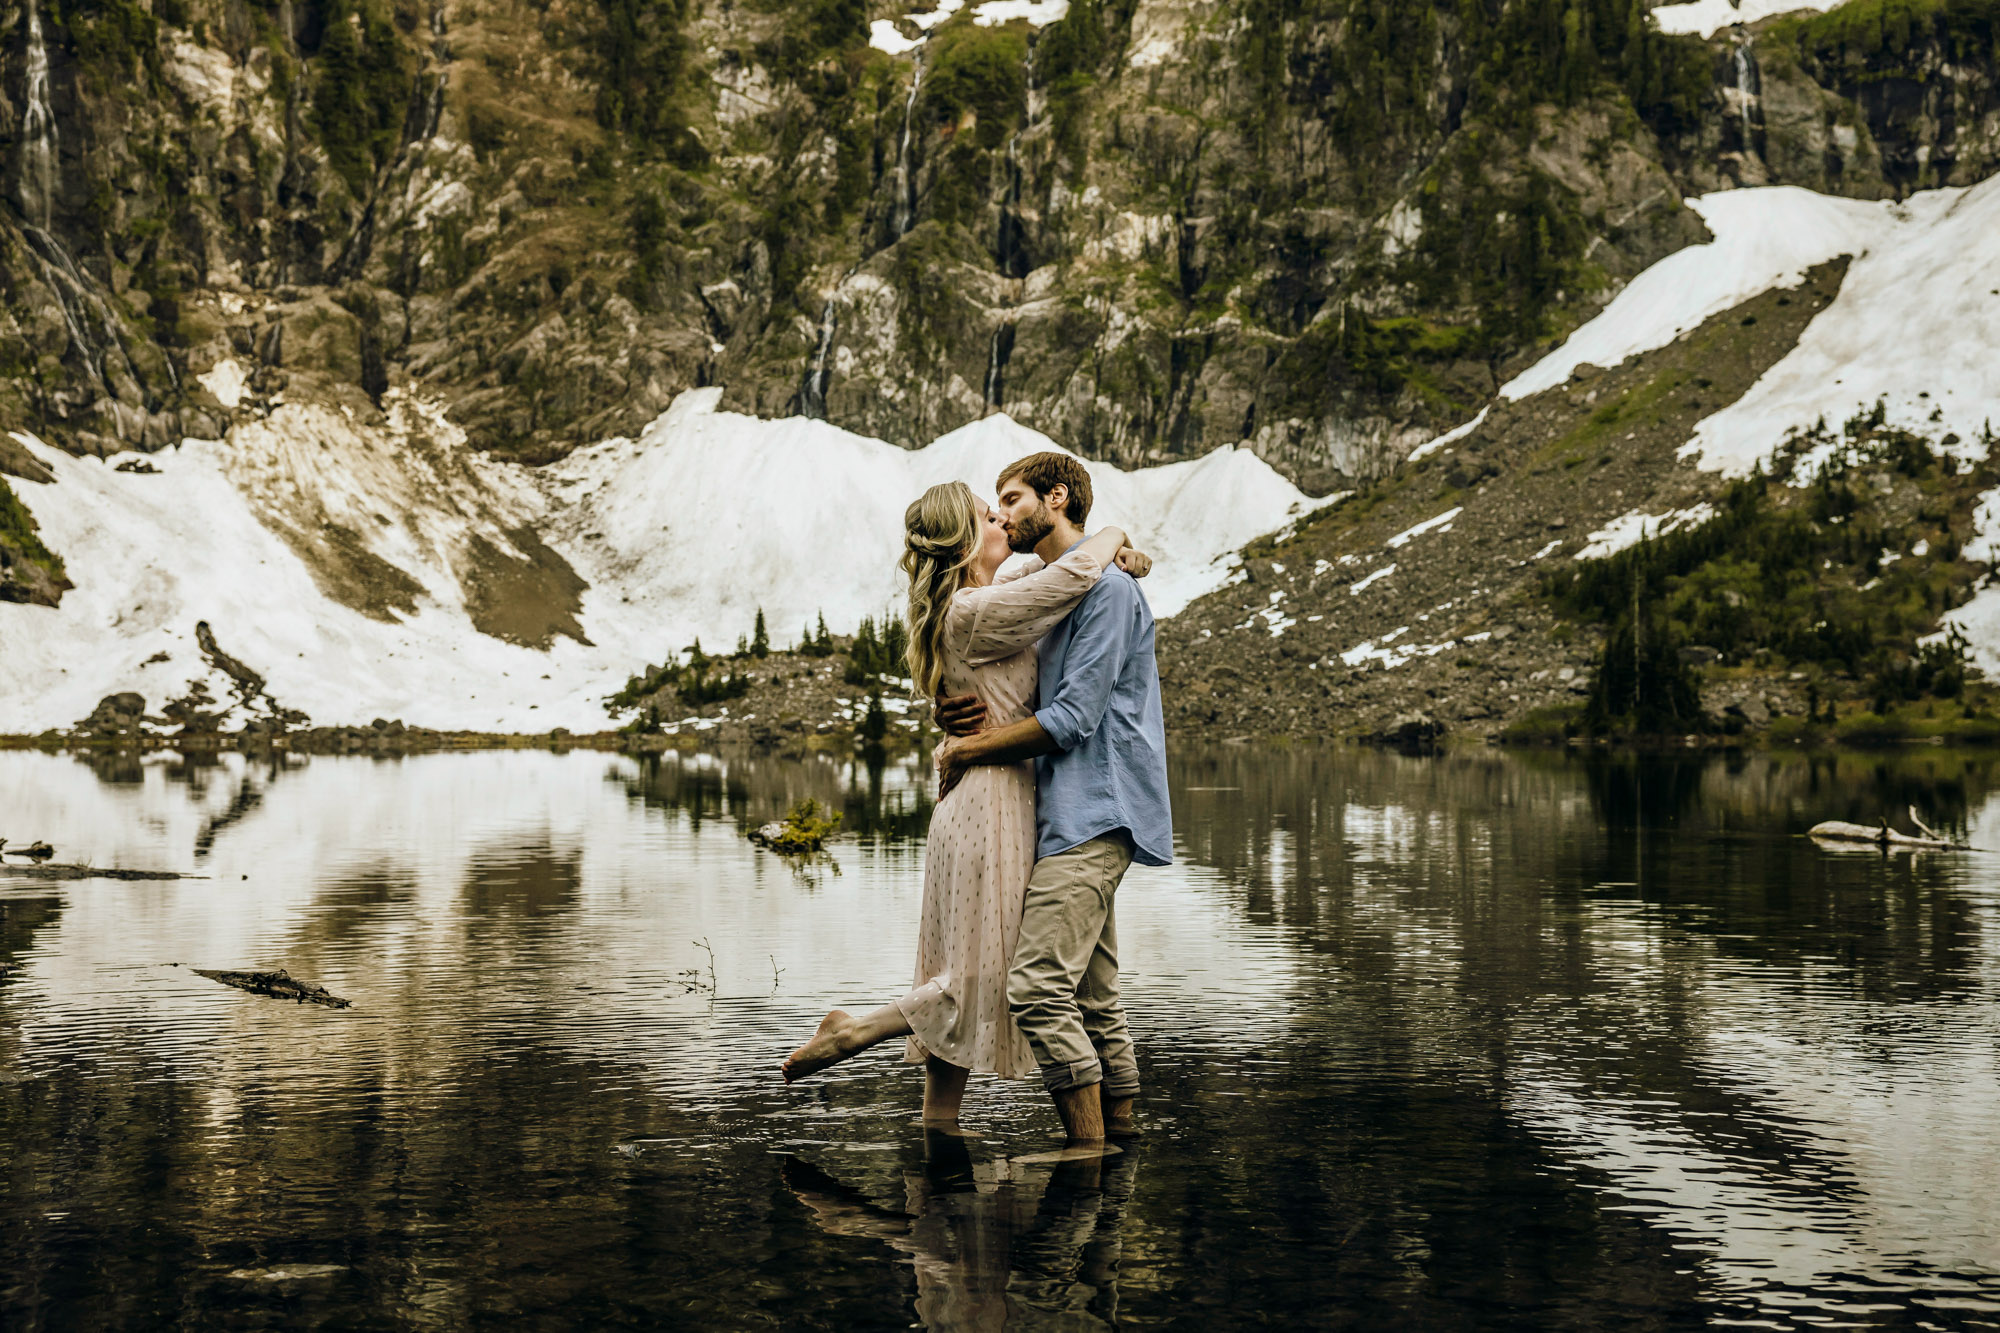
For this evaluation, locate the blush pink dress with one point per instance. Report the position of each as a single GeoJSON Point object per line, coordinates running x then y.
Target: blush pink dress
{"type": "Point", "coordinates": [982, 836]}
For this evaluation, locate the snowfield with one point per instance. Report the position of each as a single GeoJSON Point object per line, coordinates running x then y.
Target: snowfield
{"type": "Point", "coordinates": [275, 536]}
{"type": "Point", "coordinates": [1916, 324]}
{"type": "Point", "coordinates": [1764, 238]}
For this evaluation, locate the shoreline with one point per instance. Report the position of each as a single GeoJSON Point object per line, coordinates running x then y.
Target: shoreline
{"type": "Point", "coordinates": [341, 741]}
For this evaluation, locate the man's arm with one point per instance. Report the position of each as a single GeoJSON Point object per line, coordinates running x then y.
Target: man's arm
{"type": "Point", "coordinates": [1100, 641]}
{"type": "Point", "coordinates": [1002, 745]}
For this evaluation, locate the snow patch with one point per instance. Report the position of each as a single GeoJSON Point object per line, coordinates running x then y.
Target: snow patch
{"type": "Point", "coordinates": [1452, 436]}
{"type": "Point", "coordinates": [1705, 16]}
{"type": "Point", "coordinates": [1037, 13]}
{"type": "Point", "coordinates": [1442, 523]}
{"type": "Point", "coordinates": [884, 35]}
{"type": "Point", "coordinates": [1360, 586]}
{"type": "Point", "coordinates": [1392, 657]}
{"type": "Point", "coordinates": [1628, 530]}
{"type": "Point", "coordinates": [226, 381]}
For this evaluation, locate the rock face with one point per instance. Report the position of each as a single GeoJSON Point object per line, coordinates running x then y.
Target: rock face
{"type": "Point", "coordinates": [1150, 228]}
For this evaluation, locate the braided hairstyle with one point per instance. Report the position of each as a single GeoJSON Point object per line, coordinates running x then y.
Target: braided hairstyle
{"type": "Point", "coordinates": [940, 542]}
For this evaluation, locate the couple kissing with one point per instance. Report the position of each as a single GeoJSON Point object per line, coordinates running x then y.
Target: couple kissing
{"type": "Point", "coordinates": [1052, 782]}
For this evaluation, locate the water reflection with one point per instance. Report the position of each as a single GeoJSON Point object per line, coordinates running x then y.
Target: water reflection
{"type": "Point", "coordinates": [996, 1243]}
{"type": "Point", "coordinates": [1475, 1041]}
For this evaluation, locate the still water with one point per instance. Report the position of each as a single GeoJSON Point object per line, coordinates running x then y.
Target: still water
{"type": "Point", "coordinates": [1483, 1041]}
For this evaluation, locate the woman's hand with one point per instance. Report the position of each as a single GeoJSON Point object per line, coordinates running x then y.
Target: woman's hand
{"type": "Point", "coordinates": [1136, 563]}
{"type": "Point", "coordinates": [959, 715]}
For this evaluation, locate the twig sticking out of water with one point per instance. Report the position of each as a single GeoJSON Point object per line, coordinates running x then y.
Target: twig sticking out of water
{"type": "Point", "coordinates": [691, 980]}
{"type": "Point", "coordinates": [776, 972]}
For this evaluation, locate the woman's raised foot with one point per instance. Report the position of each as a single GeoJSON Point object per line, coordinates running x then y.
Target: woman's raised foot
{"type": "Point", "coordinates": [826, 1048]}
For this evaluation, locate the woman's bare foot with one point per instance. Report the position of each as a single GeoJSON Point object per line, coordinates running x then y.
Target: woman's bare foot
{"type": "Point", "coordinates": [826, 1048]}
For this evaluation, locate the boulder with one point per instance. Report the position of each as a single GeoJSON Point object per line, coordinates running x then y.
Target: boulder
{"type": "Point", "coordinates": [16, 461]}
{"type": "Point", "coordinates": [115, 715]}
{"type": "Point", "coordinates": [1410, 731]}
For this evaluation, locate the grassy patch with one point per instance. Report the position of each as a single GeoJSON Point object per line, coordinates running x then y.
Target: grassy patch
{"type": "Point", "coordinates": [21, 539]}
{"type": "Point", "coordinates": [1551, 725]}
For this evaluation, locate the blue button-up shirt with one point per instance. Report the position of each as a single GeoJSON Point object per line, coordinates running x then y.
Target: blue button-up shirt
{"type": "Point", "coordinates": [1099, 699]}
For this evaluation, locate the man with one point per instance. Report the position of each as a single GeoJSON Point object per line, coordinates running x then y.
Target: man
{"type": "Point", "coordinates": [1099, 745]}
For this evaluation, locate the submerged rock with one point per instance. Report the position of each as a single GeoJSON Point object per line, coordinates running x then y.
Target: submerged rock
{"type": "Point", "coordinates": [1410, 731]}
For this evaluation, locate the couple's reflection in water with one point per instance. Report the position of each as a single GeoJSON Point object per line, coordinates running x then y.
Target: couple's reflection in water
{"type": "Point", "coordinates": [1022, 1243]}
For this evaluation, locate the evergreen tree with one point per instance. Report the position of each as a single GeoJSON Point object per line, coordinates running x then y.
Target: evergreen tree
{"type": "Point", "coordinates": [895, 647]}
{"type": "Point", "coordinates": [760, 638]}
{"type": "Point", "coordinates": [863, 655]}
{"type": "Point", "coordinates": [875, 725]}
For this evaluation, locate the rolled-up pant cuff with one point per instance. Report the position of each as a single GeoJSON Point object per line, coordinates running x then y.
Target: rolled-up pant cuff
{"type": "Point", "coordinates": [1074, 1074]}
{"type": "Point", "coordinates": [1121, 1088]}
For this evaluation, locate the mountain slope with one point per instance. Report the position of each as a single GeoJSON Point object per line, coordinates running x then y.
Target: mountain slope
{"type": "Point", "coordinates": [1440, 589]}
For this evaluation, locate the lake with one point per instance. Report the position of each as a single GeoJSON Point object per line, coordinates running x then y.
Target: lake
{"type": "Point", "coordinates": [1487, 1040]}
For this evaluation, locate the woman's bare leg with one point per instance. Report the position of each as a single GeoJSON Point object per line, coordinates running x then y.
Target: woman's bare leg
{"type": "Point", "coordinates": [944, 1091]}
{"type": "Point", "coordinates": [841, 1035]}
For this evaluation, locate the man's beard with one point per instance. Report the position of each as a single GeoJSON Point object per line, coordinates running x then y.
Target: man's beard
{"type": "Point", "coordinates": [1026, 533]}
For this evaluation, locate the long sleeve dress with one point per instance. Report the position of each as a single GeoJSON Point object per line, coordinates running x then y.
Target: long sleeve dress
{"type": "Point", "coordinates": [981, 848]}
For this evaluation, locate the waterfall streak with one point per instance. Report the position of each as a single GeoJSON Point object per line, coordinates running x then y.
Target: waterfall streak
{"type": "Point", "coordinates": [903, 216]}
{"type": "Point", "coordinates": [38, 129]}
{"type": "Point", "coordinates": [812, 399]}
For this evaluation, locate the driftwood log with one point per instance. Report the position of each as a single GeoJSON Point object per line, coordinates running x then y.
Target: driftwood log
{"type": "Point", "coordinates": [279, 985]}
{"type": "Point", "coordinates": [1840, 831]}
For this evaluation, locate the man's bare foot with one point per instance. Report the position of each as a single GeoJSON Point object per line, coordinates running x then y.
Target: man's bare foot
{"type": "Point", "coordinates": [1072, 1152]}
{"type": "Point", "coordinates": [826, 1048]}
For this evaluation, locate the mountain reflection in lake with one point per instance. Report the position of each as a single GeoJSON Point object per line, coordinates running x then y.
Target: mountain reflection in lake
{"type": "Point", "coordinates": [1485, 1041]}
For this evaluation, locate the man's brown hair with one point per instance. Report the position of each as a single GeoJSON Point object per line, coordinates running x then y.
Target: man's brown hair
{"type": "Point", "coordinates": [1044, 472]}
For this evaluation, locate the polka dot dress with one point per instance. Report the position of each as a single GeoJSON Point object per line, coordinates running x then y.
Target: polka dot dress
{"type": "Point", "coordinates": [982, 836]}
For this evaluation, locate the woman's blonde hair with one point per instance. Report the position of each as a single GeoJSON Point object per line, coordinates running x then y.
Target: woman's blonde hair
{"type": "Point", "coordinates": [940, 542]}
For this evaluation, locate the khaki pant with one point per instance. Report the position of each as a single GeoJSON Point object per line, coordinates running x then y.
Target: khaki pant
{"type": "Point", "coordinates": [1063, 987]}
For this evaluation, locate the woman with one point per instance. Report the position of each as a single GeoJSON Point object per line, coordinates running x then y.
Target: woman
{"type": "Point", "coordinates": [970, 633]}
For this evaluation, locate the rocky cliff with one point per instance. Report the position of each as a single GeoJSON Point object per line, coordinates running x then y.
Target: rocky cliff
{"type": "Point", "coordinates": [1147, 227]}
{"type": "Point", "coordinates": [357, 237]}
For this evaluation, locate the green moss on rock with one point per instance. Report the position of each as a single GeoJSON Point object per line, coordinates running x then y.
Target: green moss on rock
{"type": "Point", "coordinates": [29, 570]}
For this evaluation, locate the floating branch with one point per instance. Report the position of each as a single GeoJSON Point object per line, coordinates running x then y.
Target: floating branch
{"type": "Point", "coordinates": [86, 872]}
{"type": "Point", "coordinates": [279, 985]}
